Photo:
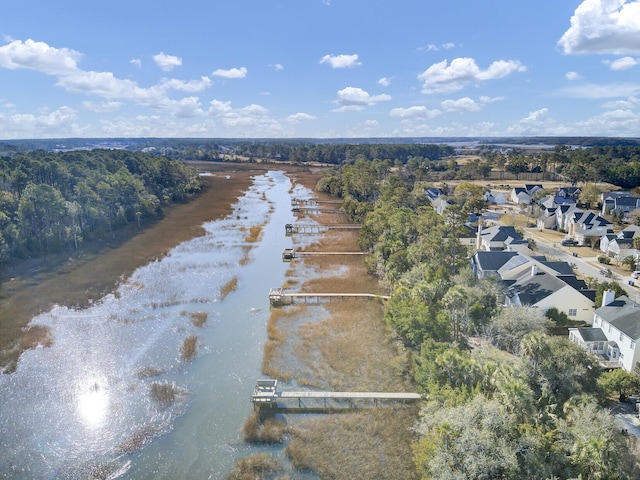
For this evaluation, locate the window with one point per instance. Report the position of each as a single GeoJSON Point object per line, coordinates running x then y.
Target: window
{"type": "Point", "coordinates": [633, 345]}
{"type": "Point", "coordinates": [573, 312]}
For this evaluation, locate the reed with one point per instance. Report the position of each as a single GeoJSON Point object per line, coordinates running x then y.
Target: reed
{"type": "Point", "coordinates": [198, 319]}
{"type": "Point", "coordinates": [268, 430]}
{"type": "Point", "coordinates": [163, 393]}
{"type": "Point", "coordinates": [188, 348]}
{"type": "Point", "coordinates": [254, 467]}
{"type": "Point", "coordinates": [228, 287]}
{"type": "Point", "coordinates": [254, 234]}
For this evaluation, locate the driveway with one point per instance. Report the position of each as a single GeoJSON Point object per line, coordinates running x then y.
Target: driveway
{"type": "Point", "coordinates": [628, 418]}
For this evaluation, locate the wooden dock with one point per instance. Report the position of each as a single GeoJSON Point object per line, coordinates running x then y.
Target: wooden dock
{"type": "Point", "coordinates": [311, 229]}
{"type": "Point", "coordinates": [278, 298]}
{"type": "Point", "coordinates": [301, 202]}
{"type": "Point", "coordinates": [266, 394]}
{"type": "Point", "coordinates": [316, 210]}
{"type": "Point", "coordinates": [289, 254]}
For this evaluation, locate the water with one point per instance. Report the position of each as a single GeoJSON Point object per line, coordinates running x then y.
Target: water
{"type": "Point", "coordinates": [84, 406]}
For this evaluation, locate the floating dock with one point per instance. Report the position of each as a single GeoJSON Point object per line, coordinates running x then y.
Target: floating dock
{"type": "Point", "coordinates": [266, 394]}
{"type": "Point", "coordinates": [278, 298]}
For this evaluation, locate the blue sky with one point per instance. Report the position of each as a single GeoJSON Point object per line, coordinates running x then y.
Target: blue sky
{"type": "Point", "coordinates": [319, 68]}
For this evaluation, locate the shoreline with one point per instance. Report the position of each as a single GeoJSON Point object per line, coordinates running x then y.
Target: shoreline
{"type": "Point", "coordinates": [77, 279]}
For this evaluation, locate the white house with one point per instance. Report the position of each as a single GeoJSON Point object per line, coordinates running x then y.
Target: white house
{"type": "Point", "coordinates": [619, 321]}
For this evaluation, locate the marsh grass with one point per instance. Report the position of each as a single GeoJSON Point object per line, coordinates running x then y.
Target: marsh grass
{"type": "Point", "coordinates": [228, 287]}
{"type": "Point", "coordinates": [373, 443]}
{"type": "Point", "coordinates": [163, 393]}
{"type": "Point", "coordinates": [246, 258]}
{"type": "Point", "coordinates": [137, 440]}
{"type": "Point", "coordinates": [198, 319]}
{"type": "Point", "coordinates": [267, 430]}
{"type": "Point", "coordinates": [188, 348]}
{"type": "Point", "coordinates": [147, 372]}
{"type": "Point", "coordinates": [256, 467]}
{"type": "Point", "coordinates": [36, 335]}
{"type": "Point", "coordinates": [254, 234]}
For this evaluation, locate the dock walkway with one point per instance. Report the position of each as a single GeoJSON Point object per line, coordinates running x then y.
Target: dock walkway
{"type": "Point", "coordinates": [310, 229]}
{"type": "Point", "coordinates": [290, 254]}
{"type": "Point", "coordinates": [265, 394]}
{"type": "Point", "coordinates": [277, 297]}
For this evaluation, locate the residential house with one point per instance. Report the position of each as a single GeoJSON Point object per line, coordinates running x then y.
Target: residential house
{"type": "Point", "coordinates": [548, 285]}
{"type": "Point", "coordinates": [587, 227]}
{"type": "Point", "coordinates": [498, 237]}
{"type": "Point", "coordinates": [624, 205]}
{"type": "Point", "coordinates": [522, 195]}
{"type": "Point", "coordinates": [532, 280]}
{"type": "Point", "coordinates": [619, 321]}
{"type": "Point", "coordinates": [569, 192]}
{"type": "Point", "coordinates": [607, 199]}
{"type": "Point", "coordinates": [485, 264]}
{"type": "Point", "coordinates": [621, 244]}
{"type": "Point", "coordinates": [553, 209]}
{"type": "Point", "coordinates": [494, 197]}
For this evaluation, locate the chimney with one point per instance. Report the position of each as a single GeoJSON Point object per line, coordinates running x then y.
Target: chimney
{"type": "Point", "coordinates": [607, 297]}
{"type": "Point", "coordinates": [534, 270]}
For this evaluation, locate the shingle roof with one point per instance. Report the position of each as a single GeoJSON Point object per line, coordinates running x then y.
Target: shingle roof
{"type": "Point", "coordinates": [492, 261]}
{"type": "Point", "coordinates": [591, 334]}
{"type": "Point", "coordinates": [623, 314]}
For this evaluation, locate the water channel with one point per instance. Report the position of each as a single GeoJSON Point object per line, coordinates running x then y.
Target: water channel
{"type": "Point", "coordinates": [83, 407]}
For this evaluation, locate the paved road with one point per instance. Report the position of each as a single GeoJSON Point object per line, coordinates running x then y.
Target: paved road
{"type": "Point", "coordinates": [586, 262]}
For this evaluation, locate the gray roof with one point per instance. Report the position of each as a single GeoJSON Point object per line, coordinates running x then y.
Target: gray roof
{"type": "Point", "coordinates": [531, 289]}
{"type": "Point", "coordinates": [623, 314]}
{"type": "Point", "coordinates": [591, 334]}
{"type": "Point", "coordinates": [493, 260]}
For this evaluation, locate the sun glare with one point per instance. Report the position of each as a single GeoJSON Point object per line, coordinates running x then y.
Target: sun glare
{"type": "Point", "coordinates": [93, 403]}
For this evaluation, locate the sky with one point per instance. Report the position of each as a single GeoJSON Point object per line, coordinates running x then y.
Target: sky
{"type": "Point", "coordinates": [319, 68]}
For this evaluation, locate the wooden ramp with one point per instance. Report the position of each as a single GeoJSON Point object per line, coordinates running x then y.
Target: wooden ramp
{"type": "Point", "coordinates": [265, 394]}
{"type": "Point", "coordinates": [277, 297]}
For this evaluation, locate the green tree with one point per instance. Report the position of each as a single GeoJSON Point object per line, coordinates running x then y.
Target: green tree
{"type": "Point", "coordinates": [619, 382]}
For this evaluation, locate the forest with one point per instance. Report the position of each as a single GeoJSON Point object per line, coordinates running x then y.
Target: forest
{"type": "Point", "coordinates": [532, 406]}
{"type": "Point", "coordinates": [52, 202]}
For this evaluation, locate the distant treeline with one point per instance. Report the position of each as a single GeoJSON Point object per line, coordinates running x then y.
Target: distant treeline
{"type": "Point", "coordinates": [50, 202]}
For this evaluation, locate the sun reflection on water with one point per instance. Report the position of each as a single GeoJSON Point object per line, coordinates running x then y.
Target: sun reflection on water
{"type": "Point", "coordinates": [93, 403]}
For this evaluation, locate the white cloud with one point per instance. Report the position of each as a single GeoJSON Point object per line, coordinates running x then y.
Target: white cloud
{"type": "Point", "coordinates": [624, 63]}
{"type": "Point", "coordinates": [604, 26]}
{"type": "Point", "coordinates": [571, 76]}
{"type": "Point", "coordinates": [231, 73]}
{"type": "Point", "coordinates": [537, 122]}
{"type": "Point", "coordinates": [136, 61]}
{"type": "Point", "coordinates": [384, 81]}
{"type": "Point", "coordinates": [167, 62]}
{"type": "Point", "coordinates": [276, 66]}
{"type": "Point", "coordinates": [420, 112]}
{"type": "Point", "coordinates": [464, 104]}
{"type": "Point", "coordinates": [354, 98]}
{"type": "Point", "coordinates": [252, 120]}
{"type": "Point", "coordinates": [187, 107]}
{"type": "Point", "coordinates": [298, 117]}
{"type": "Point", "coordinates": [434, 48]}
{"type": "Point", "coordinates": [39, 56]}
{"type": "Point", "coordinates": [102, 107]}
{"type": "Point", "coordinates": [443, 77]}
{"type": "Point", "coordinates": [485, 99]}
{"type": "Point", "coordinates": [191, 86]}
{"type": "Point", "coordinates": [57, 123]}
{"type": "Point", "coordinates": [341, 61]}
{"type": "Point", "coordinates": [616, 123]}
{"type": "Point", "coordinates": [628, 104]}
{"type": "Point", "coordinates": [594, 91]}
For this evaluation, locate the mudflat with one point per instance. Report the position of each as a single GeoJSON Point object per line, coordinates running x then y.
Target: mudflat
{"type": "Point", "coordinates": [78, 278]}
